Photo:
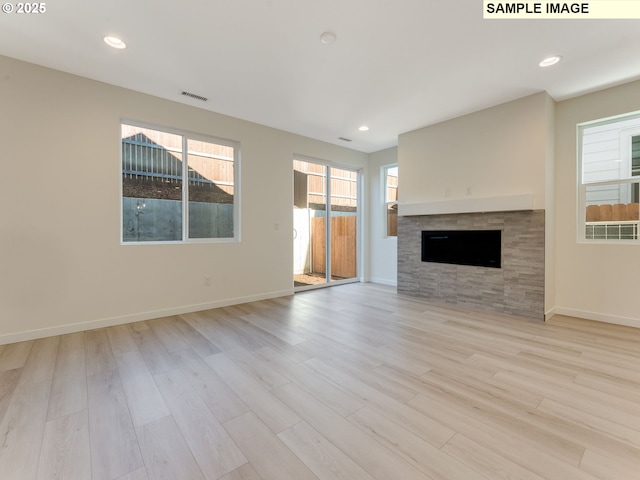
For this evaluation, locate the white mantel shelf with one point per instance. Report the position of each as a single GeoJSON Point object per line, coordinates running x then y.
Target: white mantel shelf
{"type": "Point", "coordinates": [505, 203]}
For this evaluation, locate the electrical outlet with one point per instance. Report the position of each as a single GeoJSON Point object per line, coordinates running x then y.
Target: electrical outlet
{"type": "Point", "coordinates": [207, 280]}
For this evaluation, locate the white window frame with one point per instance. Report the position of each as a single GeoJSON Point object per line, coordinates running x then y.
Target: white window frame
{"type": "Point", "coordinates": [187, 135]}
{"type": "Point", "coordinates": [386, 203]}
{"type": "Point", "coordinates": [625, 180]}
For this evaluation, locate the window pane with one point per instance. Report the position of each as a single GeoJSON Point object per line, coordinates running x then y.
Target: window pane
{"type": "Point", "coordinates": [211, 190]}
{"type": "Point", "coordinates": [151, 185]}
{"type": "Point", "coordinates": [606, 150]}
{"type": "Point", "coordinates": [609, 194]}
{"type": "Point", "coordinates": [392, 220]}
{"type": "Point", "coordinates": [392, 184]}
{"type": "Point", "coordinates": [611, 212]}
{"type": "Point", "coordinates": [391, 200]}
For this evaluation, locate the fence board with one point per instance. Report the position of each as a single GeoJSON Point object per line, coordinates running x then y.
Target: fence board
{"type": "Point", "coordinates": [343, 246]}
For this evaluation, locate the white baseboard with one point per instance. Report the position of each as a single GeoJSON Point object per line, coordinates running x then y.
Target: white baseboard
{"type": "Point", "coordinates": [550, 313]}
{"type": "Point", "coordinates": [599, 317]}
{"type": "Point", "coordinates": [383, 281]}
{"type": "Point", "coordinates": [136, 317]}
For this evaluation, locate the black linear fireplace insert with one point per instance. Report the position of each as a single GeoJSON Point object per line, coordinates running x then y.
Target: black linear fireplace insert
{"type": "Point", "coordinates": [481, 248]}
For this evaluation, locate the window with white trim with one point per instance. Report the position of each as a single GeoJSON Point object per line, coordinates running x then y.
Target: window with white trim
{"type": "Point", "coordinates": [609, 179]}
{"type": "Point", "coordinates": [390, 174]}
{"type": "Point", "coordinates": [177, 187]}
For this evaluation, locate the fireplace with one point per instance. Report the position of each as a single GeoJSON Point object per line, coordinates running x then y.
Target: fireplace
{"type": "Point", "coordinates": [480, 248]}
{"type": "Point", "coordinates": [516, 287]}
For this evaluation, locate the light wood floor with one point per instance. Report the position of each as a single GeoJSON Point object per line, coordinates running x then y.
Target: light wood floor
{"type": "Point", "coordinates": [353, 382]}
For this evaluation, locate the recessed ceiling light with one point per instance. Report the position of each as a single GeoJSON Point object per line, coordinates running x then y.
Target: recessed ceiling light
{"type": "Point", "coordinates": [115, 42]}
{"type": "Point", "coordinates": [363, 128]}
{"type": "Point", "coordinates": [547, 62]}
{"type": "Point", "coordinates": [328, 38]}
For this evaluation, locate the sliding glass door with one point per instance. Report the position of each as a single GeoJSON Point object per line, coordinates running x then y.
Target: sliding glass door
{"type": "Point", "coordinates": [325, 223]}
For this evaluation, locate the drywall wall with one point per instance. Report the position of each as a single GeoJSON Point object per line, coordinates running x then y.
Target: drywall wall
{"type": "Point", "coordinates": [596, 281]}
{"type": "Point", "coordinates": [63, 266]}
{"type": "Point", "coordinates": [383, 264]}
{"type": "Point", "coordinates": [498, 151]}
{"type": "Point", "coordinates": [550, 212]}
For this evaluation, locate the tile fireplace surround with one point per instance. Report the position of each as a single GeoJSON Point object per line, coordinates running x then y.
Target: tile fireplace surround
{"type": "Point", "coordinates": [517, 288]}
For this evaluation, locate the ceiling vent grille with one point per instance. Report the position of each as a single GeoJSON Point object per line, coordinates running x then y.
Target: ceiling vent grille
{"type": "Point", "coordinates": [193, 95]}
{"type": "Point", "coordinates": [344, 139]}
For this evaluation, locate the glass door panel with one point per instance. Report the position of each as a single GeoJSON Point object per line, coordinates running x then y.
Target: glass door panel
{"type": "Point", "coordinates": [344, 222]}
{"type": "Point", "coordinates": [309, 223]}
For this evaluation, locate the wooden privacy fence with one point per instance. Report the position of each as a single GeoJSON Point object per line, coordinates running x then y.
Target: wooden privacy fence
{"type": "Point", "coordinates": [618, 212]}
{"type": "Point", "coordinates": [343, 246]}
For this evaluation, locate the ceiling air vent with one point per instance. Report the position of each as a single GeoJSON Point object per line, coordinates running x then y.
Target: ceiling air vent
{"type": "Point", "coordinates": [193, 95]}
{"type": "Point", "coordinates": [344, 139]}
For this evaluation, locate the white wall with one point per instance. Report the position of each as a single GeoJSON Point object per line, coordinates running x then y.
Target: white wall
{"type": "Point", "coordinates": [383, 263]}
{"type": "Point", "coordinates": [550, 255]}
{"type": "Point", "coordinates": [62, 265]}
{"type": "Point", "coordinates": [599, 282]}
{"type": "Point", "coordinates": [499, 151]}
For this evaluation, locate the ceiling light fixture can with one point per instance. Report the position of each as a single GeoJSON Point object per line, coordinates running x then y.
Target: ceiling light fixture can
{"type": "Point", "coordinates": [363, 128]}
{"type": "Point", "coordinates": [328, 38]}
{"type": "Point", "coordinates": [114, 42]}
{"type": "Point", "coordinates": [547, 62]}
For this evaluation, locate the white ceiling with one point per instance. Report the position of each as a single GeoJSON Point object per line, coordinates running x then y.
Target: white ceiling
{"type": "Point", "coordinates": [396, 66]}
